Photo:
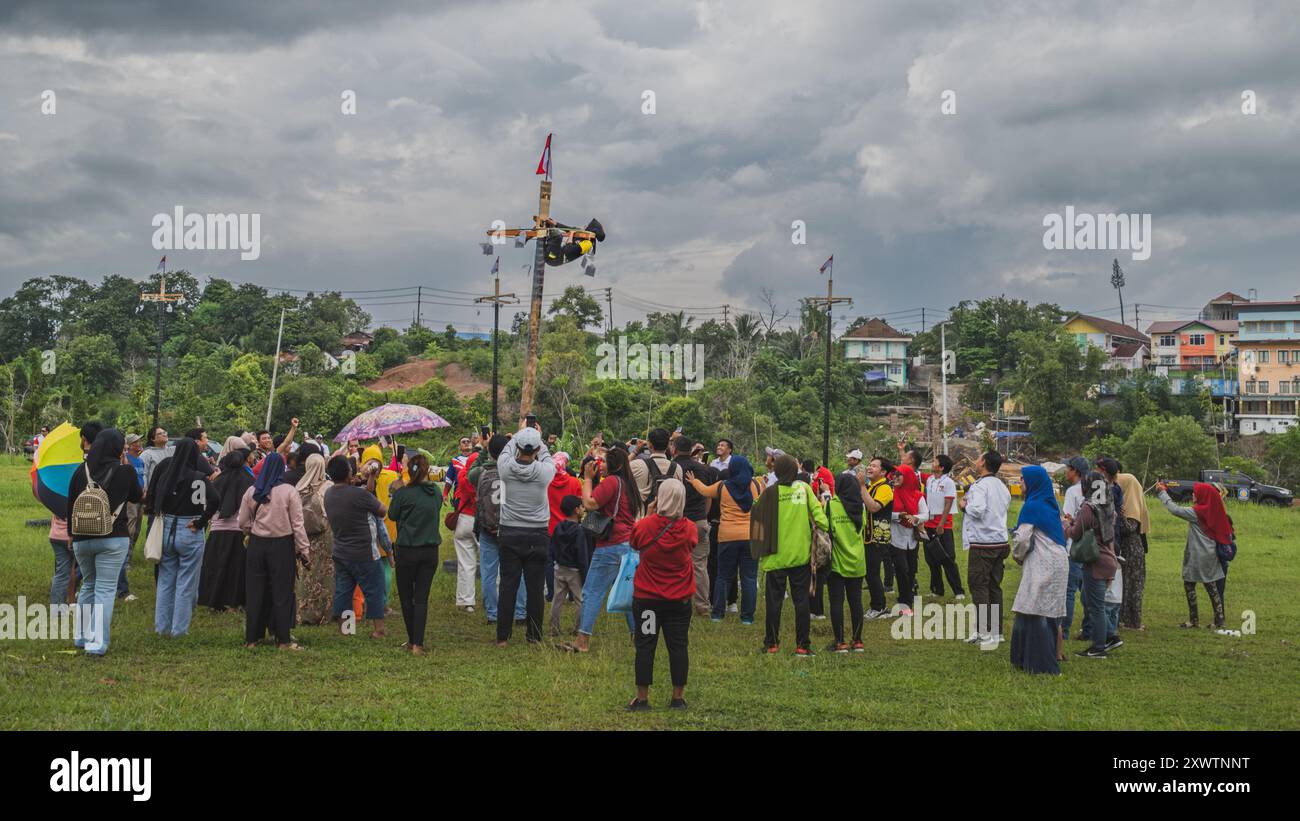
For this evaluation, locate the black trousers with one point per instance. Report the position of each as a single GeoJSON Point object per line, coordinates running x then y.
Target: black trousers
{"type": "Point", "coordinates": [878, 554]}
{"type": "Point", "coordinates": [904, 581]}
{"type": "Point", "coordinates": [415, 567]}
{"type": "Point", "coordinates": [817, 601]}
{"type": "Point", "coordinates": [798, 579]}
{"type": "Point", "coordinates": [839, 588]}
{"type": "Point", "coordinates": [523, 551]}
{"type": "Point", "coordinates": [941, 556]}
{"type": "Point", "coordinates": [268, 592]}
{"type": "Point", "coordinates": [673, 619]}
{"type": "Point", "coordinates": [912, 563]}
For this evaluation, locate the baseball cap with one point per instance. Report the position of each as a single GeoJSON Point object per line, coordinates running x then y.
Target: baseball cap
{"type": "Point", "coordinates": [528, 440]}
{"type": "Point", "coordinates": [854, 454]}
{"type": "Point", "coordinates": [132, 438]}
{"type": "Point", "coordinates": [774, 452]}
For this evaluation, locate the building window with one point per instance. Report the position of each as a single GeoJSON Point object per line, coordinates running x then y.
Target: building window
{"type": "Point", "coordinates": [1196, 339]}
{"type": "Point", "coordinates": [1168, 360]}
{"type": "Point", "coordinates": [895, 370]}
{"type": "Point", "coordinates": [1168, 341]}
{"type": "Point", "coordinates": [1284, 388]}
{"type": "Point", "coordinates": [1262, 356]}
{"type": "Point", "coordinates": [1222, 340]}
{"type": "Point", "coordinates": [1283, 356]}
{"type": "Point", "coordinates": [1263, 387]}
{"type": "Point", "coordinates": [1265, 327]}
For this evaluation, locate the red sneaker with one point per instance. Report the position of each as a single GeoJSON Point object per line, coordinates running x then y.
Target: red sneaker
{"type": "Point", "coordinates": [859, 647]}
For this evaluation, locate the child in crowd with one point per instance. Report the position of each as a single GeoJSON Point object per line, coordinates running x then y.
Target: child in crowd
{"type": "Point", "coordinates": [570, 551]}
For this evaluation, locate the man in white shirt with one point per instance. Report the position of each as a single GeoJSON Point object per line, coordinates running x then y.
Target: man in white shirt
{"type": "Point", "coordinates": [941, 498]}
{"type": "Point", "coordinates": [1075, 469]}
{"type": "Point", "coordinates": [984, 534]}
{"type": "Point", "coordinates": [723, 450]}
{"type": "Point", "coordinates": [770, 464]}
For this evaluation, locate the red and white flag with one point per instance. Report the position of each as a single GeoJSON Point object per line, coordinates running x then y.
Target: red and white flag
{"type": "Point", "coordinates": [544, 164]}
{"type": "Point", "coordinates": [826, 266]}
{"type": "Point", "coordinates": [162, 265]}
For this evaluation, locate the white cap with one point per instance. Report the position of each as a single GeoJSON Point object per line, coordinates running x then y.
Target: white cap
{"type": "Point", "coordinates": [528, 440]}
{"type": "Point", "coordinates": [854, 454]}
{"type": "Point", "coordinates": [774, 452]}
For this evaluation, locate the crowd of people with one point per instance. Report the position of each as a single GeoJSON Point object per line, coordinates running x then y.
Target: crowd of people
{"type": "Point", "coordinates": [294, 535]}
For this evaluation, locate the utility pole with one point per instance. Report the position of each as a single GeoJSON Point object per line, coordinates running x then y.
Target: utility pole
{"type": "Point", "coordinates": [163, 299]}
{"type": "Point", "coordinates": [275, 369]}
{"type": "Point", "coordinates": [419, 316]}
{"type": "Point", "coordinates": [943, 375]}
{"type": "Point", "coordinates": [609, 303]}
{"type": "Point", "coordinates": [535, 309]}
{"type": "Point", "coordinates": [923, 320]}
{"type": "Point", "coordinates": [497, 298]}
{"type": "Point", "coordinates": [830, 301]}
{"type": "Point", "coordinates": [1137, 315]}
{"type": "Point", "coordinates": [725, 310]}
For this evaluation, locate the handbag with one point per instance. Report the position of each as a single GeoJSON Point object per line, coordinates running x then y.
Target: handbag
{"type": "Point", "coordinates": [1226, 551]}
{"type": "Point", "coordinates": [450, 519]}
{"type": "Point", "coordinates": [1084, 549]}
{"type": "Point", "coordinates": [821, 541]}
{"type": "Point", "coordinates": [602, 524]}
{"type": "Point", "coordinates": [153, 540]}
{"type": "Point", "coordinates": [934, 552]}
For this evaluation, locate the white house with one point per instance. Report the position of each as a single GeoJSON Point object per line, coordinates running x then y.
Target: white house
{"type": "Point", "coordinates": [882, 349]}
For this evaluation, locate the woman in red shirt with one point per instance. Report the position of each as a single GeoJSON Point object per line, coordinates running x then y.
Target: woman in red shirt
{"type": "Point", "coordinates": [662, 591]}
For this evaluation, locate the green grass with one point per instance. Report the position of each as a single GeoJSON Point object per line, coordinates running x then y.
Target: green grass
{"type": "Point", "coordinates": [1165, 678]}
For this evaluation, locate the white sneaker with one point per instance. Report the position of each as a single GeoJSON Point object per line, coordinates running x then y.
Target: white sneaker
{"type": "Point", "coordinates": [960, 596]}
{"type": "Point", "coordinates": [130, 597]}
{"type": "Point", "coordinates": [816, 617]}
{"type": "Point", "coordinates": [974, 638]}
{"type": "Point", "coordinates": [467, 608]}
{"type": "Point", "coordinates": [731, 608]}
{"type": "Point", "coordinates": [876, 614]}
{"type": "Point", "coordinates": [991, 642]}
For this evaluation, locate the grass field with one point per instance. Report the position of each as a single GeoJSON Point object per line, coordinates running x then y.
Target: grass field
{"type": "Point", "coordinates": [1163, 678]}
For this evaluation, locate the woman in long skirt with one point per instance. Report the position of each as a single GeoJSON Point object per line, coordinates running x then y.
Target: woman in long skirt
{"type": "Point", "coordinates": [221, 584]}
{"type": "Point", "coordinates": [1040, 600]}
{"type": "Point", "coordinates": [1133, 549]}
{"type": "Point", "coordinates": [316, 583]}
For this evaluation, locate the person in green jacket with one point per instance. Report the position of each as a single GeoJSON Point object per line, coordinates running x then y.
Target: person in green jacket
{"type": "Point", "coordinates": [848, 561]}
{"type": "Point", "coordinates": [781, 533]}
{"type": "Point", "coordinates": [415, 508]}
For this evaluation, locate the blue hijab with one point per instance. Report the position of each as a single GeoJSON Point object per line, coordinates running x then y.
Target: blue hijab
{"type": "Point", "coordinates": [1040, 508]}
{"type": "Point", "coordinates": [740, 474]}
{"type": "Point", "coordinates": [271, 475]}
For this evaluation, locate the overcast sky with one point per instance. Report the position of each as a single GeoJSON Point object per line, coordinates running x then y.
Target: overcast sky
{"type": "Point", "coordinates": [767, 112]}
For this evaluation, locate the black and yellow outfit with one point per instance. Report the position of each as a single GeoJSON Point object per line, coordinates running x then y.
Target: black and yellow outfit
{"type": "Point", "coordinates": [559, 252]}
{"type": "Point", "coordinates": [876, 535]}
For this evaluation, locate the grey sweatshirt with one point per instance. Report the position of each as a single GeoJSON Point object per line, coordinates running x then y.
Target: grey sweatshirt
{"type": "Point", "coordinates": [524, 502]}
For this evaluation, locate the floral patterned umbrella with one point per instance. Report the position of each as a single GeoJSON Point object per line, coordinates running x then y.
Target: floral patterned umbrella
{"type": "Point", "coordinates": [390, 419]}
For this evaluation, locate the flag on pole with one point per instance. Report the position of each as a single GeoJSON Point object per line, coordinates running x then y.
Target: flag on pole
{"type": "Point", "coordinates": [544, 164]}
{"type": "Point", "coordinates": [826, 266]}
{"type": "Point", "coordinates": [496, 266]}
{"type": "Point", "coordinates": [162, 265]}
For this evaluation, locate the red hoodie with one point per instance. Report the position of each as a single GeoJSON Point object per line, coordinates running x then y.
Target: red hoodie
{"type": "Point", "coordinates": [466, 493]}
{"type": "Point", "coordinates": [666, 571]}
{"type": "Point", "coordinates": [562, 485]}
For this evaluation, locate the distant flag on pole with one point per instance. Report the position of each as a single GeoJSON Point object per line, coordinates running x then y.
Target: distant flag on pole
{"type": "Point", "coordinates": [496, 266]}
{"type": "Point", "coordinates": [826, 266]}
{"type": "Point", "coordinates": [162, 265]}
{"type": "Point", "coordinates": [544, 164]}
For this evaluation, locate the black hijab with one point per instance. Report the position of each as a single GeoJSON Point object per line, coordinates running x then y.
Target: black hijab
{"type": "Point", "coordinates": [181, 470]}
{"type": "Point", "coordinates": [849, 492]}
{"type": "Point", "coordinates": [234, 481]}
{"type": "Point", "coordinates": [105, 454]}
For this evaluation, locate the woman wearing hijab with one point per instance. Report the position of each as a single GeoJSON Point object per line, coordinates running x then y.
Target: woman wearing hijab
{"type": "Point", "coordinates": [909, 512]}
{"type": "Point", "coordinates": [1039, 543]}
{"type": "Point", "coordinates": [315, 588]}
{"type": "Point", "coordinates": [780, 532]}
{"type": "Point", "coordinates": [1208, 526]}
{"type": "Point", "coordinates": [100, 558]}
{"type": "Point", "coordinates": [735, 495]}
{"type": "Point", "coordinates": [848, 560]}
{"type": "Point", "coordinates": [221, 584]}
{"type": "Point", "coordinates": [416, 508]}
{"type": "Point", "coordinates": [1133, 548]}
{"type": "Point", "coordinates": [621, 501]}
{"type": "Point", "coordinates": [271, 513]}
{"type": "Point", "coordinates": [181, 500]}
{"type": "Point", "coordinates": [1098, 516]}
{"type": "Point", "coordinates": [662, 591]}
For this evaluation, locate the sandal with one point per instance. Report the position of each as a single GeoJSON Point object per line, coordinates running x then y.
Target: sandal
{"type": "Point", "coordinates": [570, 647]}
{"type": "Point", "coordinates": [293, 645]}
{"type": "Point", "coordinates": [1189, 625]}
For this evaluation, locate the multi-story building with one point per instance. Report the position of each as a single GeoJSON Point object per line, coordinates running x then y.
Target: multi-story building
{"type": "Point", "coordinates": [882, 349]}
{"type": "Point", "coordinates": [1193, 351]}
{"type": "Point", "coordinates": [1127, 347]}
{"type": "Point", "coordinates": [1223, 306]}
{"type": "Point", "coordinates": [1268, 353]}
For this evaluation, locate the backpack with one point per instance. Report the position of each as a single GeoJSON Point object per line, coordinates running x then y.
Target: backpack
{"type": "Point", "coordinates": [90, 514]}
{"type": "Point", "coordinates": [487, 513]}
{"type": "Point", "coordinates": [657, 477]}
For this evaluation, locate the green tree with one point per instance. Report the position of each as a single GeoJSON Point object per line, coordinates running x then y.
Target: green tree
{"type": "Point", "coordinates": [581, 306]}
{"type": "Point", "coordinates": [1284, 457]}
{"type": "Point", "coordinates": [1167, 447]}
{"type": "Point", "coordinates": [1057, 382]}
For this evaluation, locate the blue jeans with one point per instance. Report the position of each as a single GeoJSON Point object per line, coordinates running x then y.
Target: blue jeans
{"type": "Point", "coordinates": [1112, 619]}
{"type": "Point", "coordinates": [1094, 602]}
{"type": "Point", "coordinates": [489, 568]}
{"type": "Point", "coordinates": [63, 563]}
{"type": "Point", "coordinates": [1071, 587]}
{"type": "Point", "coordinates": [605, 562]}
{"type": "Point", "coordinates": [178, 576]}
{"type": "Point", "coordinates": [100, 561]}
{"type": "Point", "coordinates": [369, 576]}
{"type": "Point", "coordinates": [729, 555]}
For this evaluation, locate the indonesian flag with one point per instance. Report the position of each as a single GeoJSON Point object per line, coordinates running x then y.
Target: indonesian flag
{"type": "Point", "coordinates": [826, 266]}
{"type": "Point", "coordinates": [544, 164]}
{"type": "Point", "coordinates": [162, 265]}
{"type": "Point", "coordinates": [496, 266]}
